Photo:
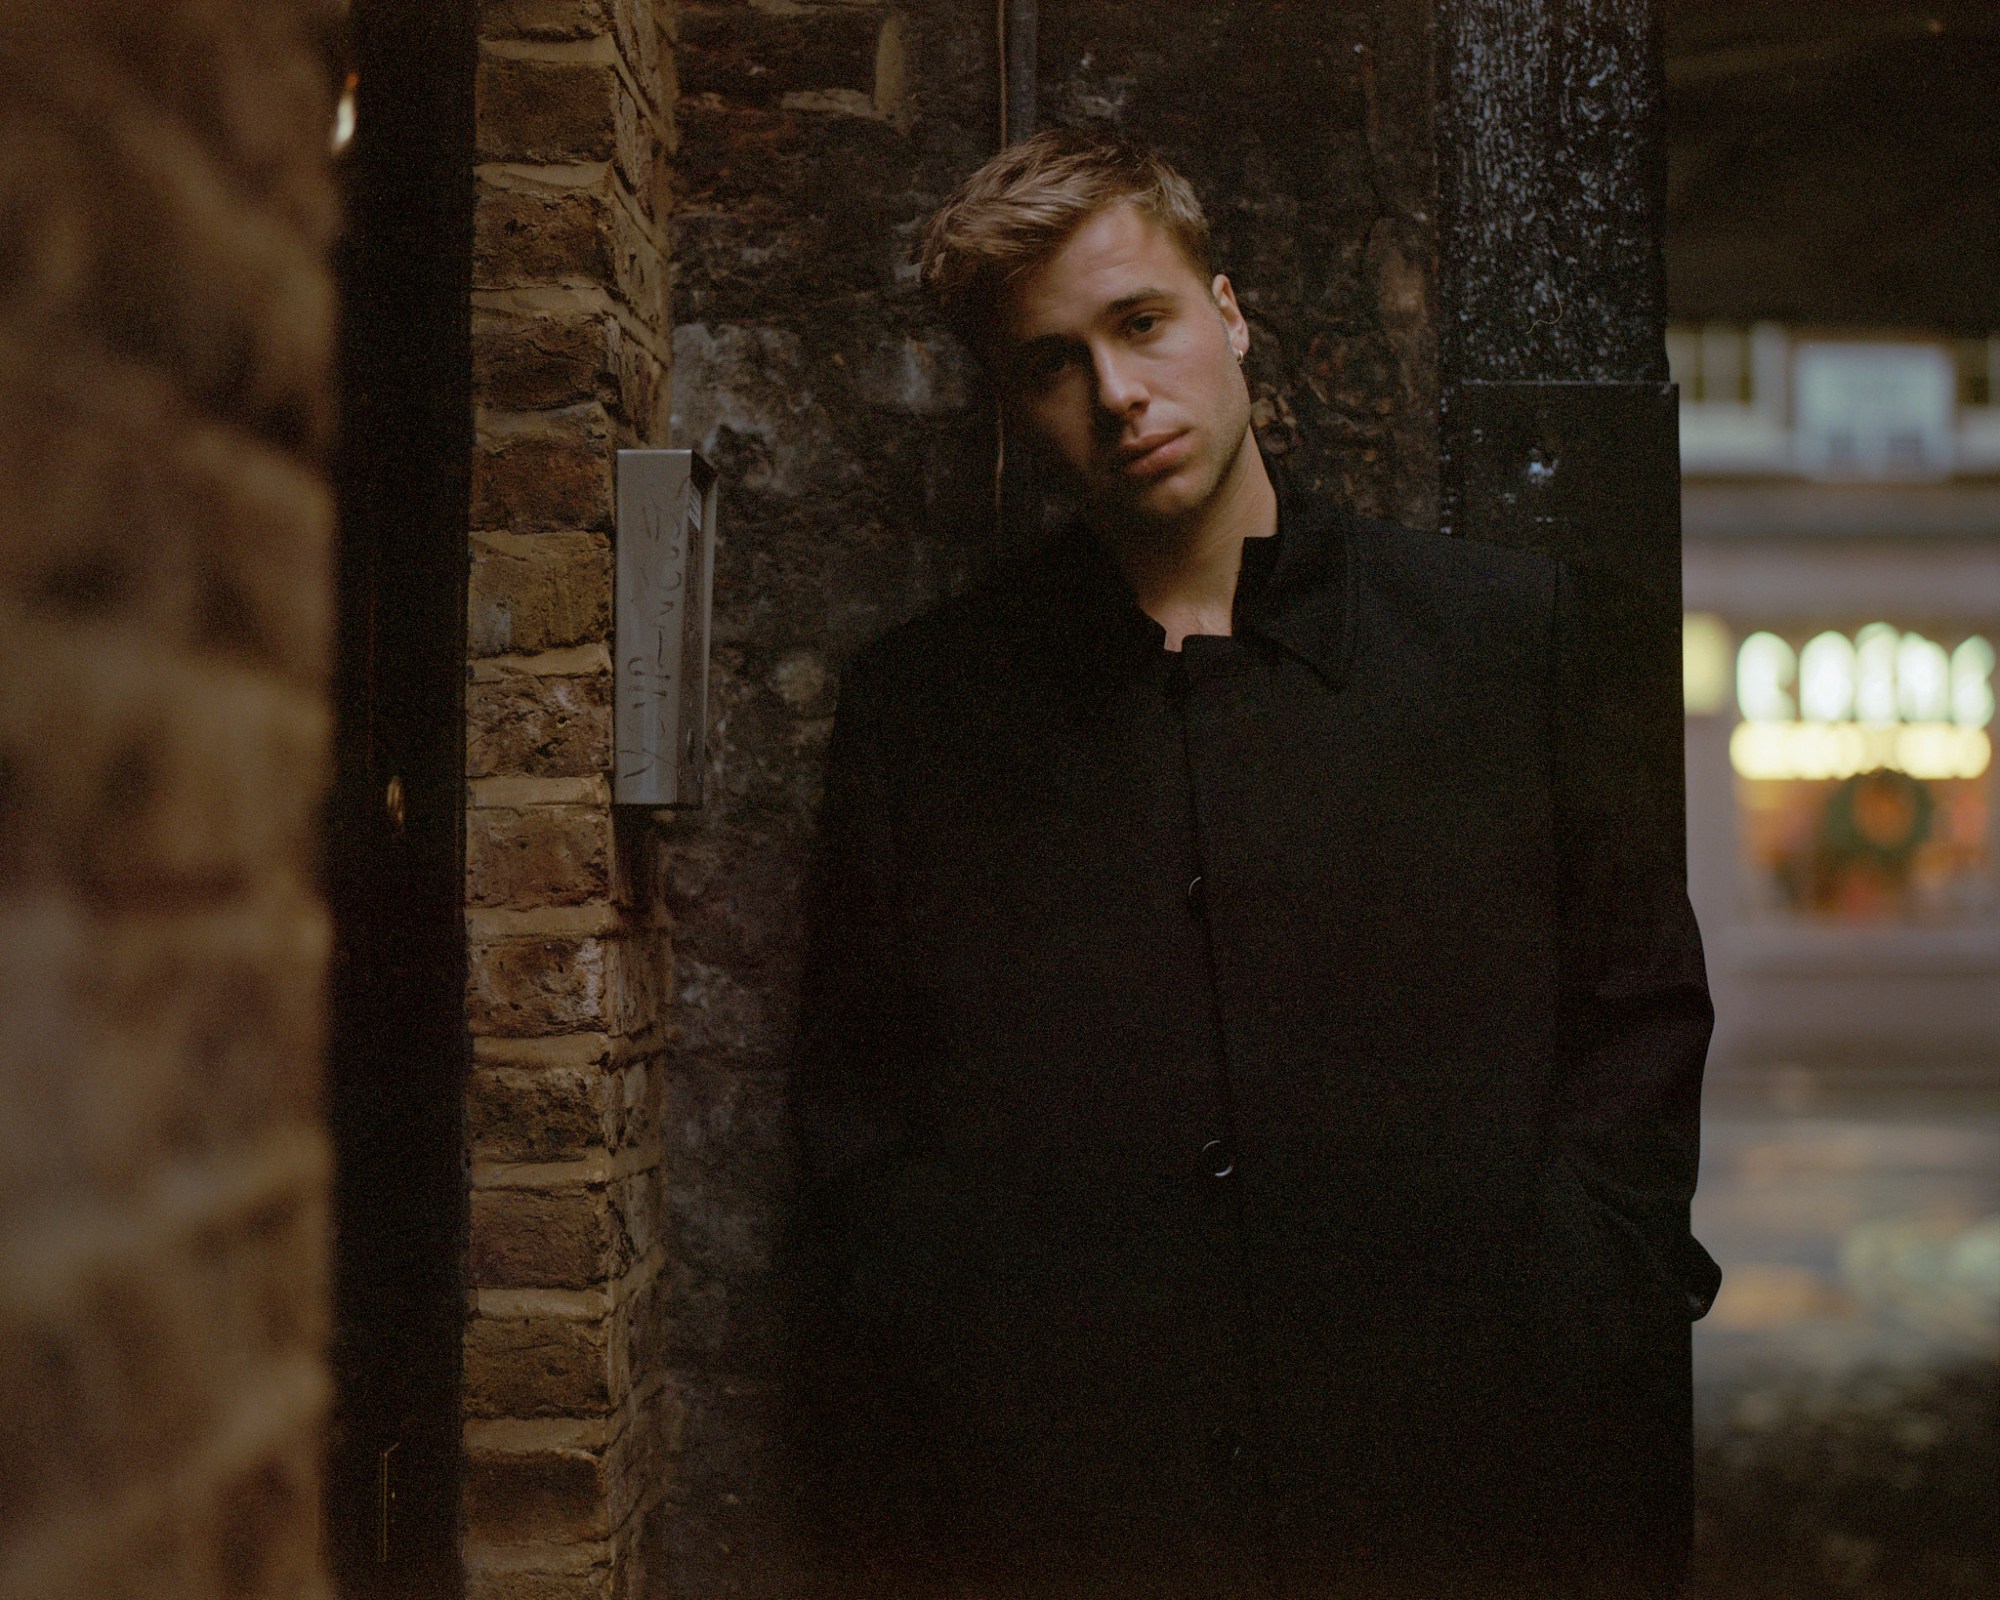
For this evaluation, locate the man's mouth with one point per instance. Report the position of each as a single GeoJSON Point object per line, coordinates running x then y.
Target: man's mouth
{"type": "Point", "coordinates": [1153, 453]}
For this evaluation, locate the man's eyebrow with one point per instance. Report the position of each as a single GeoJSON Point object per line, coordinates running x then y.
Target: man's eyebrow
{"type": "Point", "coordinates": [1040, 343]}
{"type": "Point", "coordinates": [1116, 308]}
{"type": "Point", "coordinates": [1127, 302]}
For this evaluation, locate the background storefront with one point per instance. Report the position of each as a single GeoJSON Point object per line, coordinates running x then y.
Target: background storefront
{"type": "Point", "coordinates": [1841, 579]}
{"type": "Point", "coordinates": [1842, 590]}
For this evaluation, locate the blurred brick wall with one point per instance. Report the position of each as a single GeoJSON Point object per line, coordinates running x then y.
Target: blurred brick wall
{"type": "Point", "coordinates": [569, 1421]}
{"type": "Point", "coordinates": [166, 318]}
{"type": "Point", "coordinates": [855, 444]}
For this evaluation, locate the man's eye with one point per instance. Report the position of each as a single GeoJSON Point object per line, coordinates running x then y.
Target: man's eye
{"type": "Point", "coordinates": [1046, 366]}
{"type": "Point", "coordinates": [1145, 322]}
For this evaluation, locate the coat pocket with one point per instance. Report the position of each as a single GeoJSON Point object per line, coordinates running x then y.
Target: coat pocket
{"type": "Point", "coordinates": [1606, 1258]}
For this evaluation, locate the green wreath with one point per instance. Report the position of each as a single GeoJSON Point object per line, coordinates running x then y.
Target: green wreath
{"type": "Point", "coordinates": [1851, 828]}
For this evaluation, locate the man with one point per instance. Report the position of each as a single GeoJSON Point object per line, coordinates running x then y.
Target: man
{"type": "Point", "coordinates": [1248, 1079]}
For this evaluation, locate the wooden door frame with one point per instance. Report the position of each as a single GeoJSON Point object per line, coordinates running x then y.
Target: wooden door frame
{"type": "Point", "coordinates": [395, 829]}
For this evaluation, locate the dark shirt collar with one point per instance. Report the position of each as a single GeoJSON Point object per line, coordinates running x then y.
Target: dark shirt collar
{"type": "Point", "coordinates": [1292, 589]}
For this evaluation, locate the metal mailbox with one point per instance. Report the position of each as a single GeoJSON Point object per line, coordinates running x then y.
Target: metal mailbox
{"type": "Point", "coordinates": [665, 562]}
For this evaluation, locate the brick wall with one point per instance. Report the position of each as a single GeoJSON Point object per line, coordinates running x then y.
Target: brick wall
{"type": "Point", "coordinates": [569, 1422]}
{"type": "Point", "coordinates": [856, 450]}
{"type": "Point", "coordinates": [166, 315]}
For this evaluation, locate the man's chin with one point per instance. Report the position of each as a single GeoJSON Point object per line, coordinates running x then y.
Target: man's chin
{"type": "Point", "coordinates": [1164, 501]}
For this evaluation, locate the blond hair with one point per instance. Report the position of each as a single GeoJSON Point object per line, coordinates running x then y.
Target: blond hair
{"type": "Point", "coordinates": [1020, 207]}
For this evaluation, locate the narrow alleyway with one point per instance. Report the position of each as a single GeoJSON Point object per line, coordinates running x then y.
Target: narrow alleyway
{"type": "Point", "coordinates": [1847, 1407]}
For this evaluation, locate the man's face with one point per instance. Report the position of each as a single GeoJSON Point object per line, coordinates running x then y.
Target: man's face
{"type": "Point", "coordinates": [1123, 365]}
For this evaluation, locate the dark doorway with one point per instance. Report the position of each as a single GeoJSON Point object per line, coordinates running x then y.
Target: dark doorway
{"type": "Point", "coordinates": [395, 832]}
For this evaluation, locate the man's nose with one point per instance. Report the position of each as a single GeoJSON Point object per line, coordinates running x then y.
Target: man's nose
{"type": "Point", "coordinates": [1119, 388]}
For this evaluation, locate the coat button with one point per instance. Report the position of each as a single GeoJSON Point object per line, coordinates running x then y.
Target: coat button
{"type": "Point", "coordinates": [1217, 1159]}
{"type": "Point", "coordinates": [1194, 894]}
{"type": "Point", "coordinates": [1224, 1449]}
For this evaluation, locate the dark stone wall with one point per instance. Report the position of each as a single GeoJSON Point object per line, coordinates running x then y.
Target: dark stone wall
{"type": "Point", "coordinates": [1551, 176]}
{"type": "Point", "coordinates": [856, 445]}
{"type": "Point", "coordinates": [1558, 428]}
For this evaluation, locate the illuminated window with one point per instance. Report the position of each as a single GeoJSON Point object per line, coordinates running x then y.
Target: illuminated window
{"type": "Point", "coordinates": [1862, 768]}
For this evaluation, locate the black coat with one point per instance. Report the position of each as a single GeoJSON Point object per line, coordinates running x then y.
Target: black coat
{"type": "Point", "coordinates": [1248, 1097]}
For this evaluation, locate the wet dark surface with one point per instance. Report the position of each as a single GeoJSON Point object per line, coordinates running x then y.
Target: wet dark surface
{"type": "Point", "coordinates": [1847, 1383]}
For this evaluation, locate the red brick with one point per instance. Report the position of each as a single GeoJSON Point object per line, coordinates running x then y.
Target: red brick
{"type": "Point", "coordinates": [534, 1239]}
{"type": "Point", "coordinates": [242, 311]}
{"type": "Point", "coordinates": [86, 490]}
{"type": "Point", "coordinates": [637, 24]}
{"type": "Point", "coordinates": [214, 1020]}
{"type": "Point", "coordinates": [255, 95]}
{"type": "Point", "coordinates": [263, 1528]}
{"type": "Point", "coordinates": [144, 1040]}
{"type": "Point", "coordinates": [640, 271]}
{"type": "Point", "coordinates": [544, 19]}
{"type": "Point", "coordinates": [645, 977]}
{"type": "Point", "coordinates": [79, 1377]}
{"type": "Point", "coordinates": [525, 239]}
{"type": "Point", "coordinates": [522, 725]}
{"type": "Point", "coordinates": [130, 1371]}
{"type": "Point", "coordinates": [118, 506]}
{"type": "Point", "coordinates": [538, 1113]}
{"type": "Point", "coordinates": [166, 334]}
{"type": "Point", "coordinates": [638, 148]}
{"type": "Point", "coordinates": [536, 1367]}
{"type": "Point", "coordinates": [593, 1582]}
{"type": "Point", "coordinates": [535, 1496]}
{"type": "Point", "coordinates": [542, 361]}
{"type": "Point", "coordinates": [263, 1276]}
{"type": "Point", "coordinates": [546, 591]}
{"type": "Point", "coordinates": [537, 856]}
{"type": "Point", "coordinates": [140, 773]}
{"type": "Point", "coordinates": [554, 475]}
{"type": "Point", "coordinates": [524, 362]}
{"type": "Point", "coordinates": [639, 1203]}
{"type": "Point", "coordinates": [268, 559]}
{"type": "Point", "coordinates": [639, 1327]}
{"type": "Point", "coordinates": [534, 987]}
{"type": "Point", "coordinates": [642, 390]}
{"type": "Point", "coordinates": [546, 111]}
{"type": "Point", "coordinates": [639, 1112]}
{"type": "Point", "coordinates": [560, 1111]}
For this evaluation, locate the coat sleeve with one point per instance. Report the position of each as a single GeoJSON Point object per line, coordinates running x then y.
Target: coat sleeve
{"type": "Point", "coordinates": [854, 1035]}
{"type": "Point", "coordinates": [848, 1116]}
{"type": "Point", "coordinates": [1635, 1011]}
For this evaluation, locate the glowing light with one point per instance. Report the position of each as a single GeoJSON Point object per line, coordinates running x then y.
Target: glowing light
{"type": "Point", "coordinates": [1765, 667]}
{"type": "Point", "coordinates": [1704, 663]}
{"type": "Point", "coordinates": [1826, 678]}
{"type": "Point", "coordinates": [1879, 678]}
{"type": "Point", "coordinates": [344, 115]}
{"type": "Point", "coordinates": [1814, 750]}
{"type": "Point", "coordinates": [1972, 683]}
{"type": "Point", "coordinates": [1923, 680]}
{"type": "Point", "coordinates": [1875, 672]}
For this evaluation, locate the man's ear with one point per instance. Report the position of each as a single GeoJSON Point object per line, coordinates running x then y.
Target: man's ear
{"type": "Point", "coordinates": [1224, 296]}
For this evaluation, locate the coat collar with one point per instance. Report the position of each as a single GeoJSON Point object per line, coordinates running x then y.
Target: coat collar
{"type": "Point", "coordinates": [1306, 604]}
{"type": "Point", "coordinates": [1295, 589]}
